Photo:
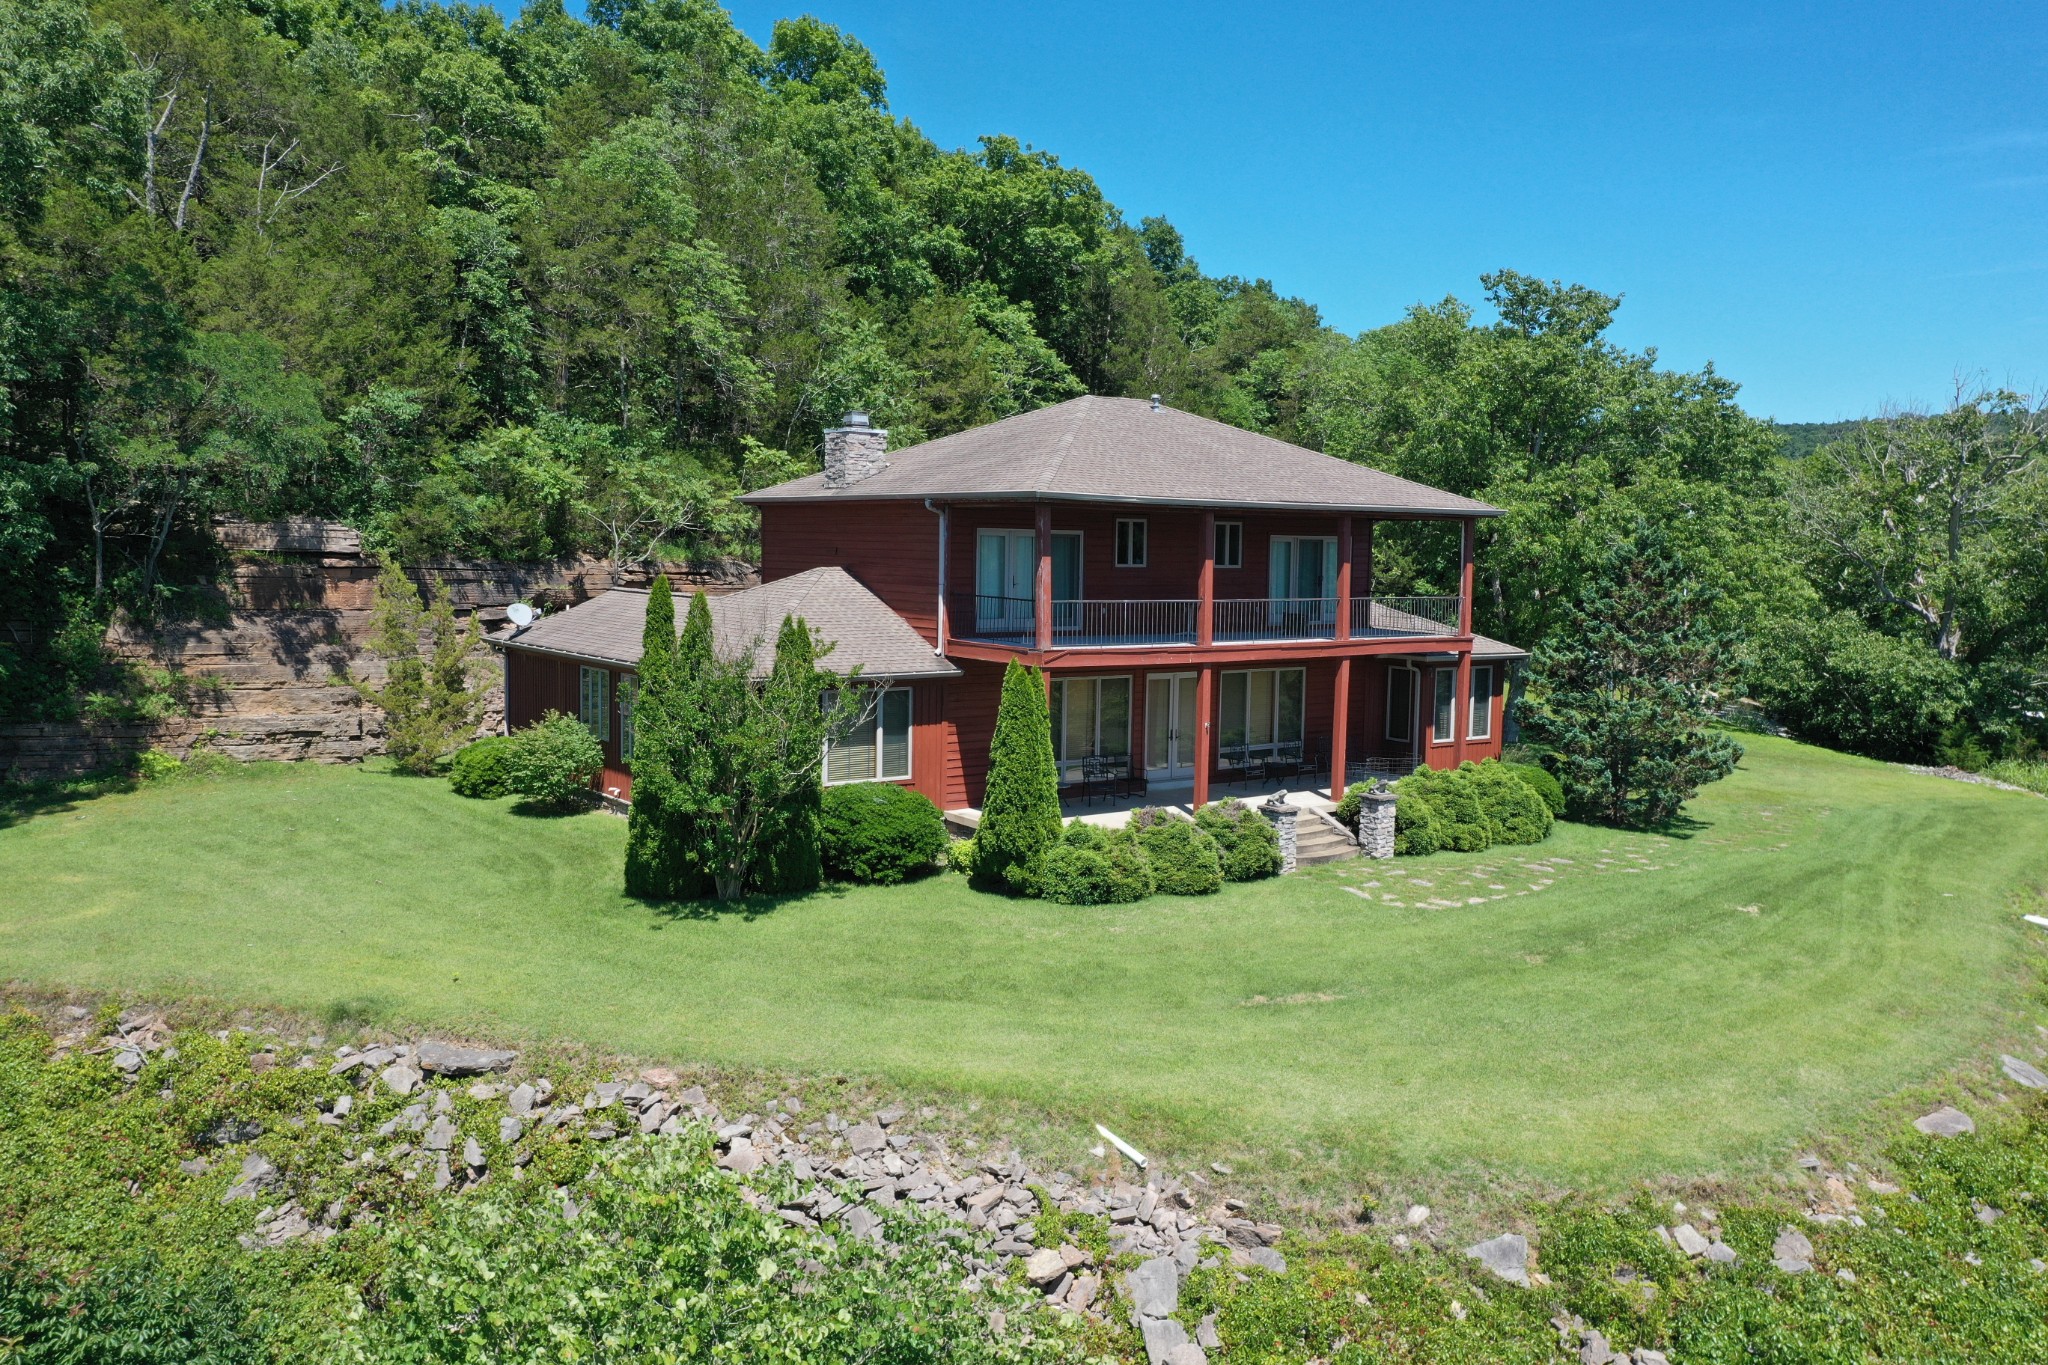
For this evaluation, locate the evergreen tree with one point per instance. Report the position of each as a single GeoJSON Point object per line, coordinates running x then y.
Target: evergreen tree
{"type": "Point", "coordinates": [428, 699]}
{"type": "Point", "coordinates": [1020, 812]}
{"type": "Point", "coordinates": [696, 688]}
{"type": "Point", "coordinates": [1624, 689]}
{"type": "Point", "coordinates": [651, 857]}
{"type": "Point", "coordinates": [790, 859]}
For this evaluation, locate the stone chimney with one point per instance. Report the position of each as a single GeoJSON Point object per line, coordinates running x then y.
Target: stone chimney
{"type": "Point", "coordinates": [856, 449]}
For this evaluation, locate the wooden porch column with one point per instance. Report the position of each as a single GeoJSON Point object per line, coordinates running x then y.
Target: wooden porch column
{"type": "Point", "coordinates": [1340, 730]}
{"type": "Point", "coordinates": [1365, 541]}
{"type": "Point", "coordinates": [1205, 707]}
{"type": "Point", "coordinates": [1344, 578]}
{"type": "Point", "coordinates": [1461, 705]}
{"type": "Point", "coordinates": [1465, 581]}
{"type": "Point", "coordinates": [1042, 596]}
{"type": "Point", "coordinates": [1205, 585]}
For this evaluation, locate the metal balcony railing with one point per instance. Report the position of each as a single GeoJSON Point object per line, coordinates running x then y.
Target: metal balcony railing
{"type": "Point", "coordinates": [1108, 623]}
{"type": "Point", "coordinates": [1375, 616]}
{"type": "Point", "coordinates": [1275, 618]}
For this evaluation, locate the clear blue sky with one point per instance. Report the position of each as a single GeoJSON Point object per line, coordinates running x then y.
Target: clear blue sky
{"type": "Point", "coordinates": [1840, 205]}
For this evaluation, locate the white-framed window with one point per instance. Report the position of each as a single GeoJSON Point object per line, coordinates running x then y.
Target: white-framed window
{"type": "Point", "coordinates": [1091, 717]}
{"type": "Point", "coordinates": [1480, 722]}
{"type": "Point", "coordinates": [594, 701]}
{"type": "Point", "coordinates": [1262, 708]}
{"type": "Point", "coordinates": [1130, 542]}
{"type": "Point", "coordinates": [1230, 545]}
{"type": "Point", "coordinates": [876, 750]}
{"type": "Point", "coordinates": [629, 692]}
{"type": "Point", "coordinates": [1444, 719]}
{"type": "Point", "coordinates": [1401, 704]}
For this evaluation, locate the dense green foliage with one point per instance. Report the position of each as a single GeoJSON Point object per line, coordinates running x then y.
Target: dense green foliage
{"type": "Point", "coordinates": [483, 769]}
{"type": "Point", "coordinates": [1184, 857]}
{"type": "Point", "coordinates": [1841, 682]}
{"type": "Point", "coordinates": [1093, 866]}
{"type": "Point", "coordinates": [553, 761]}
{"type": "Point", "coordinates": [1246, 841]}
{"type": "Point", "coordinates": [664, 1259]}
{"type": "Point", "coordinates": [1467, 809]}
{"type": "Point", "coordinates": [1020, 807]}
{"type": "Point", "coordinates": [880, 833]}
{"type": "Point", "coordinates": [1624, 693]}
{"type": "Point", "coordinates": [1542, 782]}
{"type": "Point", "coordinates": [428, 696]}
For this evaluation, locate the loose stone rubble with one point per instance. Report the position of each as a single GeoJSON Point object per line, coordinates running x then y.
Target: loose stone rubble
{"type": "Point", "coordinates": [847, 1168]}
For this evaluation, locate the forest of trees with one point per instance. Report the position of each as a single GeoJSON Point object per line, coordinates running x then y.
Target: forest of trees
{"type": "Point", "coordinates": [553, 286]}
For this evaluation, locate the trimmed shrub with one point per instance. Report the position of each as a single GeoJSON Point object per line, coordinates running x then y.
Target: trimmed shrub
{"type": "Point", "coordinates": [1459, 821]}
{"type": "Point", "coordinates": [1415, 826]}
{"type": "Point", "coordinates": [880, 833]}
{"type": "Point", "coordinates": [1185, 860]}
{"type": "Point", "coordinates": [1541, 782]}
{"type": "Point", "coordinates": [552, 761]}
{"type": "Point", "coordinates": [482, 770]}
{"type": "Point", "coordinates": [1515, 814]}
{"type": "Point", "coordinates": [1093, 869]}
{"type": "Point", "coordinates": [960, 857]}
{"type": "Point", "coordinates": [1246, 841]}
{"type": "Point", "coordinates": [1020, 810]}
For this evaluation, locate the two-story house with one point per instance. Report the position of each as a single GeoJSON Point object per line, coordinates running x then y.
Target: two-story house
{"type": "Point", "coordinates": [1200, 597]}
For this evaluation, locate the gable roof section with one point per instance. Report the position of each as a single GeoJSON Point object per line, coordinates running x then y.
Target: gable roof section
{"type": "Point", "coordinates": [1122, 450]}
{"type": "Point", "coordinates": [861, 628]}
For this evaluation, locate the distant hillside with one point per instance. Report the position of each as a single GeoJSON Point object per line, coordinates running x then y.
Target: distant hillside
{"type": "Point", "coordinates": [1803, 438]}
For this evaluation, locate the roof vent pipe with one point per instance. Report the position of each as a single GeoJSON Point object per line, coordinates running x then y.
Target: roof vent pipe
{"type": "Point", "coordinates": [856, 449]}
{"type": "Point", "coordinates": [1155, 402]}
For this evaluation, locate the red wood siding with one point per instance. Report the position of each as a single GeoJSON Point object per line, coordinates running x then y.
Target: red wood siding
{"type": "Point", "coordinates": [539, 683]}
{"type": "Point", "coordinates": [969, 724]}
{"type": "Point", "coordinates": [1173, 548]}
{"type": "Point", "coordinates": [892, 548]}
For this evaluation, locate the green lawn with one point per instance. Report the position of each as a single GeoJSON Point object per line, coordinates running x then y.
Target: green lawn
{"type": "Point", "coordinates": [1831, 930]}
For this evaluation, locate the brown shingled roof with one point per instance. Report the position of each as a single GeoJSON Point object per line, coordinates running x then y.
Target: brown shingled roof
{"type": "Point", "coordinates": [861, 628]}
{"type": "Point", "coordinates": [1094, 449]}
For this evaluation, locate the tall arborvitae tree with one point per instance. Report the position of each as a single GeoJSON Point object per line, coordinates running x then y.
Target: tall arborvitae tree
{"type": "Point", "coordinates": [1020, 812]}
{"type": "Point", "coordinates": [790, 857]}
{"type": "Point", "coordinates": [699, 690]}
{"type": "Point", "coordinates": [1624, 691]}
{"type": "Point", "coordinates": [652, 860]}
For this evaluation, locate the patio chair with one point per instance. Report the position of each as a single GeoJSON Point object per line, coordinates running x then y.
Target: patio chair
{"type": "Point", "coordinates": [1130, 778]}
{"type": "Point", "coordinates": [1284, 765]}
{"type": "Point", "coordinates": [1098, 778]}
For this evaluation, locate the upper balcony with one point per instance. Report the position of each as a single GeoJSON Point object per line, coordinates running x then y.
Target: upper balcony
{"type": "Point", "coordinates": [1012, 622]}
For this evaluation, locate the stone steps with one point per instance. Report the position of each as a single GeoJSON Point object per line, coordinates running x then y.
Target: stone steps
{"type": "Point", "coordinates": [1316, 841]}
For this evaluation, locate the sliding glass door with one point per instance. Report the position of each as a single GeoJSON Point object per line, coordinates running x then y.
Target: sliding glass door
{"type": "Point", "coordinates": [1262, 709]}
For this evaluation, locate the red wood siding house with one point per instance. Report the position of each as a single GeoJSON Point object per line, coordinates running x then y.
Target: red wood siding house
{"type": "Point", "coordinates": [1200, 598]}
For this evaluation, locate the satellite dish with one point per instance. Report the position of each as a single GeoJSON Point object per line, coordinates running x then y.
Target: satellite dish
{"type": "Point", "coordinates": [521, 615]}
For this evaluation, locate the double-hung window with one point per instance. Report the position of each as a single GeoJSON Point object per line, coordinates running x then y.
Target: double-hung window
{"type": "Point", "coordinates": [1230, 545]}
{"type": "Point", "coordinates": [878, 748]}
{"type": "Point", "coordinates": [1480, 722]}
{"type": "Point", "coordinates": [594, 701]}
{"type": "Point", "coordinates": [1130, 542]}
{"type": "Point", "coordinates": [1443, 722]}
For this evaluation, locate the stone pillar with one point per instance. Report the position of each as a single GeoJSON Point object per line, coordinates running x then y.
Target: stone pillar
{"type": "Point", "coordinates": [854, 450]}
{"type": "Point", "coordinates": [1376, 823]}
{"type": "Point", "coordinates": [1283, 816]}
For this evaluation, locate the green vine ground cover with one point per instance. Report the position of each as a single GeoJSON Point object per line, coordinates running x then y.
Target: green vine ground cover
{"type": "Point", "coordinates": [1598, 1009]}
